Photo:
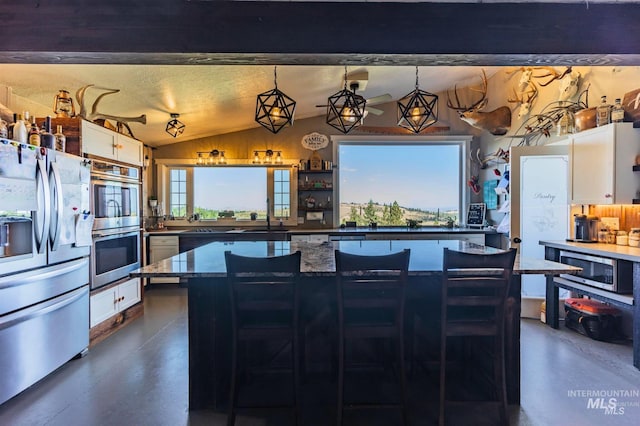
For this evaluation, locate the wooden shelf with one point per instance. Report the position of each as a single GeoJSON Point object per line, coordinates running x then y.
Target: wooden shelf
{"type": "Point", "coordinates": [314, 171]}
{"type": "Point", "coordinates": [314, 189]}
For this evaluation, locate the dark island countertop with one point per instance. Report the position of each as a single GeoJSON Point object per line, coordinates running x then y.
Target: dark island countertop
{"type": "Point", "coordinates": [318, 258]}
{"type": "Point", "coordinates": [361, 230]}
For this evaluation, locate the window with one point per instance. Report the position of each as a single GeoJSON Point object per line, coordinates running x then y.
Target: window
{"type": "Point", "coordinates": [391, 182]}
{"type": "Point", "coordinates": [281, 193]}
{"type": "Point", "coordinates": [178, 191]}
{"type": "Point", "coordinates": [229, 192]}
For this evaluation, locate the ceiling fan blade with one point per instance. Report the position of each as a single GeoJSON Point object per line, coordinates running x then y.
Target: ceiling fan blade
{"type": "Point", "coordinates": [374, 111]}
{"type": "Point", "coordinates": [379, 99]}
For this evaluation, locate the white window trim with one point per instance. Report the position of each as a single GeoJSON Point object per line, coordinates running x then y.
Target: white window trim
{"type": "Point", "coordinates": [162, 184]}
{"type": "Point", "coordinates": [464, 141]}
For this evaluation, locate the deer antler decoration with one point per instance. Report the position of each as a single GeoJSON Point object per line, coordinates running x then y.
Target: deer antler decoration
{"type": "Point", "coordinates": [95, 115]}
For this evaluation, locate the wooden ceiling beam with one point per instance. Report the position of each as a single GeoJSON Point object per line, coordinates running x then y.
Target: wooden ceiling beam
{"type": "Point", "coordinates": [210, 32]}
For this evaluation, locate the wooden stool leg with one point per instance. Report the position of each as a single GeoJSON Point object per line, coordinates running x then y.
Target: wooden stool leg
{"type": "Point", "coordinates": [340, 379]}
{"type": "Point", "coordinates": [233, 389]}
{"type": "Point", "coordinates": [443, 368]}
{"type": "Point", "coordinates": [500, 379]}
{"type": "Point", "coordinates": [403, 378]}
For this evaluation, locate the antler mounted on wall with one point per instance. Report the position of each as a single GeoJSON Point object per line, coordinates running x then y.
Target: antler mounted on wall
{"type": "Point", "coordinates": [95, 115]}
{"type": "Point", "coordinates": [496, 122]}
{"type": "Point", "coordinates": [525, 99]}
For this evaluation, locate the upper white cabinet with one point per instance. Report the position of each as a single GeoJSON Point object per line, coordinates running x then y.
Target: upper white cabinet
{"type": "Point", "coordinates": [97, 140]}
{"type": "Point", "coordinates": [601, 165]}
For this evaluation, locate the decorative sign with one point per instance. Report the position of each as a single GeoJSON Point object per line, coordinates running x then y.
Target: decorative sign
{"type": "Point", "coordinates": [475, 216]}
{"type": "Point", "coordinates": [315, 141]}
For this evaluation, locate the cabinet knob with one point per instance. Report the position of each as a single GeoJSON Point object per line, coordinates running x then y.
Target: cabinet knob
{"type": "Point", "coordinates": [608, 195]}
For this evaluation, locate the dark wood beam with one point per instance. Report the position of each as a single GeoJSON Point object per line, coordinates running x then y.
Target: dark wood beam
{"type": "Point", "coordinates": [164, 31]}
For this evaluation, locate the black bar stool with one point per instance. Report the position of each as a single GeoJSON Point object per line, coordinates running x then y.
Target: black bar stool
{"type": "Point", "coordinates": [264, 308]}
{"type": "Point", "coordinates": [370, 304]}
{"type": "Point", "coordinates": [474, 292]}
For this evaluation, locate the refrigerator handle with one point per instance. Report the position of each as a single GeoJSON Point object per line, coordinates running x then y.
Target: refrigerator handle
{"type": "Point", "coordinates": [56, 183]}
{"type": "Point", "coordinates": [43, 185]}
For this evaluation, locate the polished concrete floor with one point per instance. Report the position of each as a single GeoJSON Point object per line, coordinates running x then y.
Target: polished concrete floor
{"type": "Point", "coordinates": [139, 377]}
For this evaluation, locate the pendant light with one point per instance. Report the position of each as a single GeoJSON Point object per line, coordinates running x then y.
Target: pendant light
{"type": "Point", "coordinates": [274, 109]}
{"type": "Point", "coordinates": [345, 109]}
{"type": "Point", "coordinates": [175, 127]}
{"type": "Point", "coordinates": [417, 110]}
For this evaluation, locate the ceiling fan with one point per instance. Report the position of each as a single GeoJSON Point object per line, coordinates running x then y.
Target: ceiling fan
{"type": "Point", "coordinates": [358, 81]}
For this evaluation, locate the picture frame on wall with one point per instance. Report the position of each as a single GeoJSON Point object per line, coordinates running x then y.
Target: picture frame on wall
{"type": "Point", "coordinates": [476, 214]}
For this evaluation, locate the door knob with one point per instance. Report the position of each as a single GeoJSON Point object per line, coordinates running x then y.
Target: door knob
{"type": "Point", "coordinates": [517, 240]}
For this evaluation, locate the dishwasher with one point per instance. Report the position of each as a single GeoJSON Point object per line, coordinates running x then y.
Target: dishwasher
{"type": "Point", "coordinates": [160, 248]}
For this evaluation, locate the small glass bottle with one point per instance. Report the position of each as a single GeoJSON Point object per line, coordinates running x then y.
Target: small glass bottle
{"type": "Point", "coordinates": [20, 133]}
{"type": "Point", "coordinates": [617, 112]}
{"type": "Point", "coordinates": [61, 139]}
{"type": "Point", "coordinates": [603, 112]}
{"type": "Point", "coordinates": [47, 139]}
{"type": "Point", "coordinates": [34, 133]}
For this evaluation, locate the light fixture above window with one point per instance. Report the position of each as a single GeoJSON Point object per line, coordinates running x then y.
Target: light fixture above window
{"type": "Point", "coordinates": [274, 109]}
{"type": "Point", "coordinates": [209, 158]}
{"type": "Point", "coordinates": [174, 126]}
{"type": "Point", "coordinates": [345, 109]}
{"type": "Point", "coordinates": [269, 157]}
{"type": "Point", "coordinates": [418, 109]}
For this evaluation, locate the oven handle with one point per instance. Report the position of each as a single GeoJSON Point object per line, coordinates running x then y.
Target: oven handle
{"type": "Point", "coordinates": [115, 179]}
{"type": "Point", "coordinates": [588, 258]}
{"type": "Point", "coordinates": [55, 237]}
{"type": "Point", "coordinates": [119, 233]}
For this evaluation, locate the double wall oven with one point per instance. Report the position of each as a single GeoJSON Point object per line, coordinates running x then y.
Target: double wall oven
{"type": "Point", "coordinates": [115, 198]}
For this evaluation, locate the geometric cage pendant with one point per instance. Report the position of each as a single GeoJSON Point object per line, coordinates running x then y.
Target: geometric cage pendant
{"type": "Point", "coordinates": [274, 109]}
{"type": "Point", "coordinates": [418, 109]}
{"type": "Point", "coordinates": [345, 109]}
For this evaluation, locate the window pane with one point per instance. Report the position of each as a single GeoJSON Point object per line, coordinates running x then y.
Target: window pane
{"type": "Point", "coordinates": [392, 183]}
{"type": "Point", "coordinates": [281, 189]}
{"type": "Point", "coordinates": [178, 192]}
{"type": "Point", "coordinates": [241, 190]}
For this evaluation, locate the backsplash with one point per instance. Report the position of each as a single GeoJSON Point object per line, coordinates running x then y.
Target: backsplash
{"type": "Point", "coordinates": [628, 214]}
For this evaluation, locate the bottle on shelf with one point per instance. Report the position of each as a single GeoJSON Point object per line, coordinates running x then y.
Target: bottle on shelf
{"type": "Point", "coordinates": [603, 112]}
{"type": "Point", "coordinates": [11, 126]}
{"type": "Point", "coordinates": [47, 140]}
{"type": "Point", "coordinates": [61, 139]}
{"type": "Point", "coordinates": [34, 133]}
{"type": "Point", "coordinates": [617, 112]}
{"type": "Point", "coordinates": [20, 133]}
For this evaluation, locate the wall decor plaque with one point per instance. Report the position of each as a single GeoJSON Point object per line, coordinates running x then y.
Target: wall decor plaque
{"type": "Point", "coordinates": [315, 141]}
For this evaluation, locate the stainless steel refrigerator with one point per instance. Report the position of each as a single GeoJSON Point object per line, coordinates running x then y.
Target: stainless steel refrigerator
{"type": "Point", "coordinates": [45, 237]}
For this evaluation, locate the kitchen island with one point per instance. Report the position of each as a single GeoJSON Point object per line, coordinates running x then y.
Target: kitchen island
{"type": "Point", "coordinates": [204, 273]}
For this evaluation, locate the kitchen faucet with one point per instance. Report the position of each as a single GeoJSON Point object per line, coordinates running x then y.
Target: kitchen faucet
{"type": "Point", "coordinates": [268, 217]}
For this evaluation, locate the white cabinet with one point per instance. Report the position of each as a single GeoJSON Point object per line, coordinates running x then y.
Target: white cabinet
{"type": "Point", "coordinates": [102, 142]}
{"type": "Point", "coordinates": [105, 304]}
{"type": "Point", "coordinates": [162, 247]}
{"type": "Point", "coordinates": [601, 165]}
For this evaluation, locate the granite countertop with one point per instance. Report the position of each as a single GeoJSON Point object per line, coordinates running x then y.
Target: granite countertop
{"type": "Point", "coordinates": [613, 251]}
{"type": "Point", "coordinates": [329, 231]}
{"type": "Point", "coordinates": [318, 258]}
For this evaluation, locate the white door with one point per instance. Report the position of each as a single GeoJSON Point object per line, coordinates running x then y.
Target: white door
{"type": "Point", "coordinates": [539, 205]}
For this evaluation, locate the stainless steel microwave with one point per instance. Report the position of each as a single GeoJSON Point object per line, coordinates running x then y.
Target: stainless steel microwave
{"type": "Point", "coordinates": [602, 272]}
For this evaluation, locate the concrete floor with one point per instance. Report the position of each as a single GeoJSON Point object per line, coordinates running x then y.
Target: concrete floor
{"type": "Point", "coordinates": [139, 377]}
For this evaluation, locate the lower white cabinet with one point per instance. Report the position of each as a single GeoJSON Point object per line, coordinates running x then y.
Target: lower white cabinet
{"type": "Point", "coordinates": [105, 304]}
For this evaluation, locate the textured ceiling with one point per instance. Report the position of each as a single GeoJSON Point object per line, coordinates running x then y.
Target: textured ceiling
{"type": "Point", "coordinates": [212, 100]}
